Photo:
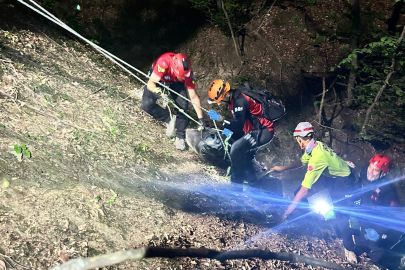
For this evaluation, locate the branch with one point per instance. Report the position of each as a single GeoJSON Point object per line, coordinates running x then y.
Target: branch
{"type": "Point", "coordinates": [253, 17]}
{"type": "Point", "coordinates": [331, 128]}
{"type": "Point", "coordinates": [268, 11]}
{"type": "Point", "coordinates": [8, 260]}
{"type": "Point", "coordinates": [22, 104]}
{"type": "Point", "coordinates": [386, 82]}
{"type": "Point", "coordinates": [152, 252]}
{"type": "Point", "coordinates": [322, 100]}
{"type": "Point", "coordinates": [230, 28]}
{"type": "Point", "coordinates": [330, 87]}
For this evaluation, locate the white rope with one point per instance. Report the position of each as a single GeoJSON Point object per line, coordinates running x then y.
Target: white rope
{"type": "Point", "coordinates": [113, 58]}
{"type": "Point", "coordinates": [109, 55]}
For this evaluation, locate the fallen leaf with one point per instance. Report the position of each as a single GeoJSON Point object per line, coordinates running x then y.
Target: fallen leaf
{"type": "Point", "coordinates": [64, 257]}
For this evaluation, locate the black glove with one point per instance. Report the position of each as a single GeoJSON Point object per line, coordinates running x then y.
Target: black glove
{"type": "Point", "coordinates": [202, 126]}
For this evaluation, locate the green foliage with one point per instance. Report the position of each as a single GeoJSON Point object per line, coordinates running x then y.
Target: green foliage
{"type": "Point", "coordinates": [17, 149]}
{"type": "Point", "coordinates": [112, 198]}
{"type": "Point", "coordinates": [311, 2]}
{"type": "Point", "coordinates": [95, 41]}
{"type": "Point", "coordinates": [140, 149]}
{"type": "Point", "coordinates": [22, 149]}
{"type": "Point", "coordinates": [239, 12]}
{"type": "Point", "coordinates": [374, 62]}
{"type": "Point", "coordinates": [317, 41]}
{"type": "Point", "coordinates": [242, 79]}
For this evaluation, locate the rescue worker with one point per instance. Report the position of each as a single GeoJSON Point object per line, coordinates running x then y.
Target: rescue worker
{"type": "Point", "coordinates": [325, 169]}
{"type": "Point", "coordinates": [174, 71]}
{"type": "Point", "coordinates": [362, 235]}
{"type": "Point", "coordinates": [248, 128]}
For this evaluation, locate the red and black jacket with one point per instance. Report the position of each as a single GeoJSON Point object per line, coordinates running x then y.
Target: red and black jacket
{"type": "Point", "coordinates": [383, 195]}
{"type": "Point", "coordinates": [247, 115]}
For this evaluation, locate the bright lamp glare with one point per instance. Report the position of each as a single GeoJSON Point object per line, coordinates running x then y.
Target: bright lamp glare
{"type": "Point", "coordinates": [322, 207]}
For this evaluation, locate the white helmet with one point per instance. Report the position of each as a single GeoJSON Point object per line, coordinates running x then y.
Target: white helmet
{"type": "Point", "coordinates": [303, 129]}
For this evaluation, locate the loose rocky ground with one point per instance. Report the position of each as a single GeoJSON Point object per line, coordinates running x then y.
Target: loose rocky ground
{"type": "Point", "coordinates": [86, 172]}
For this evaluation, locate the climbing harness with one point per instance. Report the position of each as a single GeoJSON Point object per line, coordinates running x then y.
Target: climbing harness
{"type": "Point", "coordinates": [119, 62]}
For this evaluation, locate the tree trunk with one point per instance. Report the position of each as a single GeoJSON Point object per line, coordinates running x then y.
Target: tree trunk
{"type": "Point", "coordinates": [393, 20]}
{"type": "Point", "coordinates": [322, 101]}
{"type": "Point", "coordinates": [386, 82]}
{"type": "Point", "coordinates": [354, 45]}
{"type": "Point", "coordinates": [230, 28]}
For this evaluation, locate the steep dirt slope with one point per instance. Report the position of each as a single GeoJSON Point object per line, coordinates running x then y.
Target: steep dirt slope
{"type": "Point", "coordinates": [85, 171]}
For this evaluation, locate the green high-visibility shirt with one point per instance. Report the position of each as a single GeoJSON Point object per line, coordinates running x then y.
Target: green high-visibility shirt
{"type": "Point", "coordinates": [323, 160]}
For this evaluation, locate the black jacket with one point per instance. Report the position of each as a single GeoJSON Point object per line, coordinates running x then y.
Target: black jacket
{"type": "Point", "coordinates": [381, 194]}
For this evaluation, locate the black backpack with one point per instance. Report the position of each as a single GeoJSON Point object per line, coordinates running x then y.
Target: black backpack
{"type": "Point", "coordinates": [209, 146]}
{"type": "Point", "coordinates": [273, 108]}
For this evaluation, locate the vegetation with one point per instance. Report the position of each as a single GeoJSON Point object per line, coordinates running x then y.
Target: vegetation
{"type": "Point", "coordinates": [378, 93]}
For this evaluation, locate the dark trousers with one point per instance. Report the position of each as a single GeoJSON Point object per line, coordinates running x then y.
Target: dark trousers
{"type": "Point", "coordinates": [243, 151]}
{"type": "Point", "coordinates": [149, 105]}
{"type": "Point", "coordinates": [386, 251]}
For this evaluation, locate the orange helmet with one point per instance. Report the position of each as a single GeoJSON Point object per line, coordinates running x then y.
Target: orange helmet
{"type": "Point", "coordinates": [181, 65]}
{"type": "Point", "coordinates": [217, 90]}
{"type": "Point", "coordinates": [381, 161]}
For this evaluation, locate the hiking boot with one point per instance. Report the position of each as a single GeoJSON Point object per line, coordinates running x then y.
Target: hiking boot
{"type": "Point", "coordinates": [350, 256]}
{"type": "Point", "coordinates": [171, 126]}
{"type": "Point", "coordinates": [180, 144]}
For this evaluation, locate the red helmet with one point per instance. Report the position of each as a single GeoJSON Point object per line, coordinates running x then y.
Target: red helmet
{"type": "Point", "coordinates": [181, 66]}
{"type": "Point", "coordinates": [382, 162]}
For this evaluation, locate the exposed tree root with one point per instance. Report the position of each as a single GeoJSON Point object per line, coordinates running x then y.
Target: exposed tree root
{"type": "Point", "coordinates": [152, 252]}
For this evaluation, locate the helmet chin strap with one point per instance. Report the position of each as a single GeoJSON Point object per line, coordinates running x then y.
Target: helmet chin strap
{"type": "Point", "coordinates": [228, 101]}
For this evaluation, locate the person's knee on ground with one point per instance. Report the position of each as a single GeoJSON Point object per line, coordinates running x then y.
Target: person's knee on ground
{"type": "Point", "coordinates": [149, 105]}
{"type": "Point", "coordinates": [148, 100]}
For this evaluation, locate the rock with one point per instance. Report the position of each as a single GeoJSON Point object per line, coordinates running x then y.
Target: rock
{"type": "Point", "coordinates": [351, 256]}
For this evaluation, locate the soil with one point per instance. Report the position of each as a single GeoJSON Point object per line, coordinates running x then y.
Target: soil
{"type": "Point", "coordinates": [86, 172]}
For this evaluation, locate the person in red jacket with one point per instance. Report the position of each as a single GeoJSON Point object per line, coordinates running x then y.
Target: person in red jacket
{"type": "Point", "coordinates": [248, 127]}
{"type": "Point", "coordinates": [174, 71]}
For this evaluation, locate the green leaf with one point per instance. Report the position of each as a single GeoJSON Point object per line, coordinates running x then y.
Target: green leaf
{"type": "Point", "coordinates": [169, 154]}
{"type": "Point", "coordinates": [112, 198]}
{"type": "Point", "coordinates": [296, 21]}
{"type": "Point", "coordinates": [17, 149]}
{"type": "Point", "coordinates": [27, 153]}
{"type": "Point", "coordinates": [24, 147]}
{"type": "Point", "coordinates": [320, 39]}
